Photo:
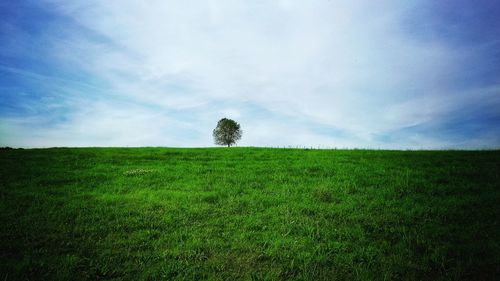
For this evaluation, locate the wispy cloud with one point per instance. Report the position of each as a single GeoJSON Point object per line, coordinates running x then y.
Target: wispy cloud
{"type": "Point", "coordinates": [388, 74]}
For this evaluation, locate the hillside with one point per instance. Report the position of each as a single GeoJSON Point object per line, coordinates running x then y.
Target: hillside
{"type": "Point", "coordinates": [249, 213]}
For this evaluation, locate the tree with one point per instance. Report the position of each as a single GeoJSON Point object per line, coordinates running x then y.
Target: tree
{"type": "Point", "coordinates": [227, 132]}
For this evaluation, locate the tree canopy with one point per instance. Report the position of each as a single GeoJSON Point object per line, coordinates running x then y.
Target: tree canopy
{"type": "Point", "coordinates": [227, 132]}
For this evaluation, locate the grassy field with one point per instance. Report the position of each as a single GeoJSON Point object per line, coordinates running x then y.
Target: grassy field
{"type": "Point", "coordinates": [249, 213]}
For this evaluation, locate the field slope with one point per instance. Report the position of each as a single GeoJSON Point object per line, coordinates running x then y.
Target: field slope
{"type": "Point", "coordinates": [249, 213]}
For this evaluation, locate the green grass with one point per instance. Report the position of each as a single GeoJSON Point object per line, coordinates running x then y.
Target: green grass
{"type": "Point", "coordinates": [249, 213]}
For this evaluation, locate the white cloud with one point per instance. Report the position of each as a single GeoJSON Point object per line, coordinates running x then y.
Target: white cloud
{"type": "Point", "coordinates": [348, 66]}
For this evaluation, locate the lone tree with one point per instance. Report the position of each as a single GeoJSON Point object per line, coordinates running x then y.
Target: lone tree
{"type": "Point", "coordinates": [227, 132]}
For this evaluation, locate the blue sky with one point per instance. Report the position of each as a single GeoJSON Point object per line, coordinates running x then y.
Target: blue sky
{"type": "Point", "coordinates": [369, 74]}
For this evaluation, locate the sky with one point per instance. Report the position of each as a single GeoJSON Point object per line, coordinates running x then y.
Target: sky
{"type": "Point", "coordinates": [316, 73]}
